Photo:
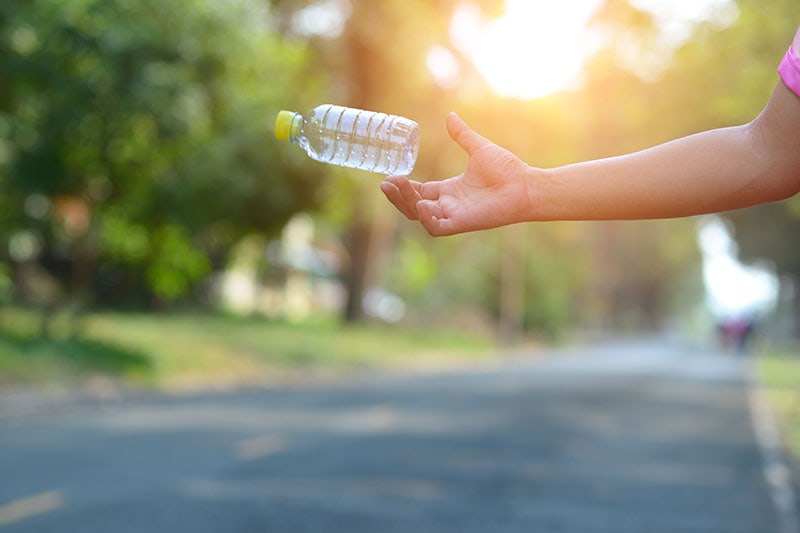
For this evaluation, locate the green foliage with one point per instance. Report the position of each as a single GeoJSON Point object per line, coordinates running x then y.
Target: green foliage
{"type": "Point", "coordinates": [6, 283]}
{"type": "Point", "coordinates": [415, 270]}
{"type": "Point", "coordinates": [143, 131]}
{"type": "Point", "coordinates": [176, 262]}
{"type": "Point", "coordinates": [553, 269]}
{"type": "Point", "coordinates": [136, 147]}
{"type": "Point", "coordinates": [767, 232]}
{"type": "Point", "coordinates": [448, 281]}
{"type": "Point", "coordinates": [778, 370]}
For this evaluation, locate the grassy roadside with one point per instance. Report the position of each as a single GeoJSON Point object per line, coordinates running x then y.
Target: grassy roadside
{"type": "Point", "coordinates": [201, 350]}
{"type": "Point", "coordinates": [779, 371]}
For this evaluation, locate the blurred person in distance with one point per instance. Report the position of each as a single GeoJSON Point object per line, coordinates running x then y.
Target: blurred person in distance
{"type": "Point", "coordinates": [712, 171]}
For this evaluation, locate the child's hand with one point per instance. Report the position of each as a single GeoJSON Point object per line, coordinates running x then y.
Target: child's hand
{"type": "Point", "coordinates": [491, 192]}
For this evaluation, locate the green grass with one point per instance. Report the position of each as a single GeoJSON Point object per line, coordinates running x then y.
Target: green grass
{"type": "Point", "coordinates": [779, 372]}
{"type": "Point", "coordinates": [198, 350]}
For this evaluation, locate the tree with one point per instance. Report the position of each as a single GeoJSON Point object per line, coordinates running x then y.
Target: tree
{"type": "Point", "coordinates": [633, 269]}
{"type": "Point", "coordinates": [378, 62]}
{"type": "Point", "coordinates": [133, 149]}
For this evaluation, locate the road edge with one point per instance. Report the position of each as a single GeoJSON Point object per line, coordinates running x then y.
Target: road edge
{"type": "Point", "coordinates": [777, 471]}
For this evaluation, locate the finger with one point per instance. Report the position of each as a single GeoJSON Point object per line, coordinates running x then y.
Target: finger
{"type": "Point", "coordinates": [394, 195]}
{"type": "Point", "coordinates": [465, 136]}
{"type": "Point", "coordinates": [432, 218]}
{"type": "Point", "coordinates": [410, 190]}
{"type": "Point", "coordinates": [429, 190]}
{"type": "Point", "coordinates": [430, 209]}
{"type": "Point", "coordinates": [414, 191]}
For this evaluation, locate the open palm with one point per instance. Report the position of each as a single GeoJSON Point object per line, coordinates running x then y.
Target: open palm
{"type": "Point", "coordinates": [491, 191]}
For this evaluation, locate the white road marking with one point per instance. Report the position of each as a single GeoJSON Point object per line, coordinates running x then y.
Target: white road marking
{"type": "Point", "coordinates": [18, 510]}
{"type": "Point", "coordinates": [261, 446]}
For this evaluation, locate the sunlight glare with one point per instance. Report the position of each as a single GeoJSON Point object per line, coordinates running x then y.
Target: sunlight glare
{"type": "Point", "coordinates": [534, 49]}
{"type": "Point", "coordinates": [733, 288]}
{"type": "Point", "coordinates": [443, 67]}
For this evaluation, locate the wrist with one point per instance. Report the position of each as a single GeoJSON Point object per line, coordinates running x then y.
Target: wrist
{"type": "Point", "coordinates": [538, 183]}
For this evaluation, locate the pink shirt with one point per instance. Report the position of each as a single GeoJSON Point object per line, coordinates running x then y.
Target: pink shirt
{"type": "Point", "coordinates": [789, 71]}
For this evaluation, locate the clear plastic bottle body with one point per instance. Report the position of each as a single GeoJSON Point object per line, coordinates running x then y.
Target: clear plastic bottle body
{"type": "Point", "coordinates": [367, 140]}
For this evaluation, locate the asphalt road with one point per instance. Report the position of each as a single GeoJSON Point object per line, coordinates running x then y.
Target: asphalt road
{"type": "Point", "coordinates": [639, 437]}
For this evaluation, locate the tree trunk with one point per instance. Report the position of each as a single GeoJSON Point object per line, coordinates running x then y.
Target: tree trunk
{"type": "Point", "coordinates": [511, 321]}
{"type": "Point", "coordinates": [358, 244]}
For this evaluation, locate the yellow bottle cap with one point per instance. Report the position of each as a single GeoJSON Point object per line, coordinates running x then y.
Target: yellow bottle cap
{"type": "Point", "coordinates": [284, 125]}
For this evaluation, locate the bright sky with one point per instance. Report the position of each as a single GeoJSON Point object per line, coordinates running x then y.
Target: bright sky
{"type": "Point", "coordinates": [535, 48]}
{"type": "Point", "coordinates": [538, 47]}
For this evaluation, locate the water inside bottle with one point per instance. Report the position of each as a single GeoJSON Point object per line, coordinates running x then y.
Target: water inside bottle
{"type": "Point", "coordinates": [376, 142]}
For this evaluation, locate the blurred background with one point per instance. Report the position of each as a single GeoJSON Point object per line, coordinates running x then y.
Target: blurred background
{"type": "Point", "coordinates": [152, 229]}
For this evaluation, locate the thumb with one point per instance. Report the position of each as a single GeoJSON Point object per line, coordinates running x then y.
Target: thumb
{"type": "Point", "coordinates": [464, 135]}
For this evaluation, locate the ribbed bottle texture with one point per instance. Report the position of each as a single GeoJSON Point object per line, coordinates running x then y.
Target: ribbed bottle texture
{"type": "Point", "coordinates": [377, 142]}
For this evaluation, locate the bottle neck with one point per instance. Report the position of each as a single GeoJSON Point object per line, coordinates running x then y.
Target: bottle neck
{"type": "Point", "coordinates": [294, 129]}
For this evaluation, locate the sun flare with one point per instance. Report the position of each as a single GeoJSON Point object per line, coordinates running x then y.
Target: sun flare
{"type": "Point", "coordinates": [534, 49]}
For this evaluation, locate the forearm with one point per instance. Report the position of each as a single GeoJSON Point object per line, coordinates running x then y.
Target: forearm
{"type": "Point", "coordinates": [713, 171]}
{"type": "Point", "coordinates": [671, 180]}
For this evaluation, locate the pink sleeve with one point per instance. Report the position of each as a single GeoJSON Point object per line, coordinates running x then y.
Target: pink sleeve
{"type": "Point", "coordinates": [789, 71]}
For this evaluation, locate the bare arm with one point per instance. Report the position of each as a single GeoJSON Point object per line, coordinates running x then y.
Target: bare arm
{"type": "Point", "coordinates": [707, 172]}
{"type": "Point", "coordinates": [713, 171]}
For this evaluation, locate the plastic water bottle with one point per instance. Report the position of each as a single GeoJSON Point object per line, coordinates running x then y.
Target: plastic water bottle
{"type": "Point", "coordinates": [353, 138]}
